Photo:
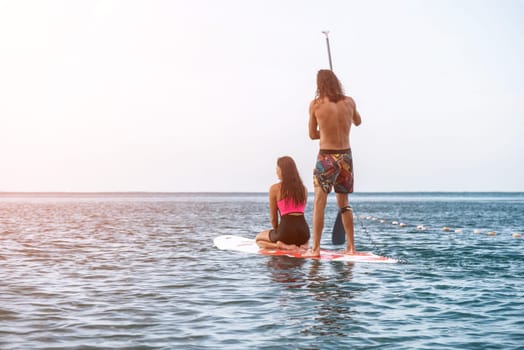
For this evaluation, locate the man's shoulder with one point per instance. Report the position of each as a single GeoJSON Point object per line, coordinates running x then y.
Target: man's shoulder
{"type": "Point", "coordinates": [349, 100]}
{"type": "Point", "coordinates": [314, 105]}
{"type": "Point", "coordinates": [320, 101]}
{"type": "Point", "coordinates": [315, 102]}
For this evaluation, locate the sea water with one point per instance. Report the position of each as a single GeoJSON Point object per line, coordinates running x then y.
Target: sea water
{"type": "Point", "coordinates": [139, 271]}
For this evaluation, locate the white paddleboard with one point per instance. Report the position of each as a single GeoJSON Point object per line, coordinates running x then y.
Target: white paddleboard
{"type": "Point", "coordinates": [247, 245]}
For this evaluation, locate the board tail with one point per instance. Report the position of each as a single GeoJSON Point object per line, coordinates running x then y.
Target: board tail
{"type": "Point", "coordinates": [339, 235]}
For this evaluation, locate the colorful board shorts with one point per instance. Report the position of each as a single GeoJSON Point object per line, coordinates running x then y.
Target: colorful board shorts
{"type": "Point", "coordinates": [334, 168]}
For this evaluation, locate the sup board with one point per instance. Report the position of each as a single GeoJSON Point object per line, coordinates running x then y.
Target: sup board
{"type": "Point", "coordinates": [247, 245]}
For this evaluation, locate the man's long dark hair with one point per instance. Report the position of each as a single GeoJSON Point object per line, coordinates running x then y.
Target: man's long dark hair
{"type": "Point", "coordinates": [292, 187]}
{"type": "Point", "coordinates": [329, 86]}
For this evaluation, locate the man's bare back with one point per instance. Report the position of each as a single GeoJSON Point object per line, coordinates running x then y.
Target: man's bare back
{"type": "Point", "coordinates": [334, 119]}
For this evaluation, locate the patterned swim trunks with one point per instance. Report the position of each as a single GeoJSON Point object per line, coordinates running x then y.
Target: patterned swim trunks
{"type": "Point", "coordinates": [334, 168]}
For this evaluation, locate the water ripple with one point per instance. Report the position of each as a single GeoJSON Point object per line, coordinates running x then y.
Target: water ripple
{"type": "Point", "coordinates": [123, 272]}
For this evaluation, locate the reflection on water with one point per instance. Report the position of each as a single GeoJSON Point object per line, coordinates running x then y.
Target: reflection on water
{"type": "Point", "coordinates": [287, 271]}
{"type": "Point", "coordinates": [329, 291]}
{"type": "Point", "coordinates": [333, 294]}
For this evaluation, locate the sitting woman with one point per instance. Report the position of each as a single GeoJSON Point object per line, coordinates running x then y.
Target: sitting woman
{"type": "Point", "coordinates": [289, 197]}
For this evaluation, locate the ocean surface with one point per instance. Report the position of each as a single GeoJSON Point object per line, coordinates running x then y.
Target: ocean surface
{"type": "Point", "coordinates": [139, 271]}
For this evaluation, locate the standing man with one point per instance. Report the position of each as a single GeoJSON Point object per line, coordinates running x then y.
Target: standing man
{"type": "Point", "coordinates": [331, 115]}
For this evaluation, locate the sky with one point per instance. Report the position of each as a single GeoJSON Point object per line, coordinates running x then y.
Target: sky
{"type": "Point", "coordinates": [189, 96]}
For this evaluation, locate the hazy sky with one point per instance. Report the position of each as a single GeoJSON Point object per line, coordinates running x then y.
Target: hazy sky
{"type": "Point", "coordinates": [206, 95]}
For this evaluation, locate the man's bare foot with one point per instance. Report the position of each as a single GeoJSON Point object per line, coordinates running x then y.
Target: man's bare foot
{"type": "Point", "coordinates": [349, 251]}
{"type": "Point", "coordinates": [310, 253]}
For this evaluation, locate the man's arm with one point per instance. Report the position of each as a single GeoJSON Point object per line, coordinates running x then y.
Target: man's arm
{"type": "Point", "coordinates": [357, 120]}
{"type": "Point", "coordinates": [314, 133]}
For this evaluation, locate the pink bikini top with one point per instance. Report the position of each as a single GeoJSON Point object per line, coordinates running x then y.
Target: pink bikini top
{"type": "Point", "coordinates": [286, 206]}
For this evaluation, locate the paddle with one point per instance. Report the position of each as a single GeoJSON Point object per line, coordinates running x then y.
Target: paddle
{"type": "Point", "coordinates": [339, 234]}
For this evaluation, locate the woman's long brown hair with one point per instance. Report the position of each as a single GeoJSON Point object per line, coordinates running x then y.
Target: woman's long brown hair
{"type": "Point", "coordinates": [329, 86]}
{"type": "Point", "coordinates": [291, 186]}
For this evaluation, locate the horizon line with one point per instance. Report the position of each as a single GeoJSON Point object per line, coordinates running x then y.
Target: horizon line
{"type": "Point", "coordinates": [235, 192]}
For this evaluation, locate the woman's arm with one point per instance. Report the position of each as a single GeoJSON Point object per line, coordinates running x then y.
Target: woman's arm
{"type": "Point", "coordinates": [274, 192]}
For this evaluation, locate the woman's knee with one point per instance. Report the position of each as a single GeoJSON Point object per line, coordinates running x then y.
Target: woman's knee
{"type": "Point", "coordinates": [263, 236]}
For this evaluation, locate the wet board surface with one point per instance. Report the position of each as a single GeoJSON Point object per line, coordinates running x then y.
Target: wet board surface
{"type": "Point", "coordinates": [247, 245]}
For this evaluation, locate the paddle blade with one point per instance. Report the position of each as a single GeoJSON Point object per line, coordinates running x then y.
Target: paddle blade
{"type": "Point", "coordinates": [339, 235]}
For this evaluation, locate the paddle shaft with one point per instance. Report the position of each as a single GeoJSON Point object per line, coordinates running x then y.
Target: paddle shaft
{"type": "Point", "coordinates": [326, 33]}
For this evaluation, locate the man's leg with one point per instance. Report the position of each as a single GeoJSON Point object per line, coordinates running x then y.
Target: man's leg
{"type": "Point", "coordinates": [347, 221]}
{"type": "Point", "coordinates": [318, 220]}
